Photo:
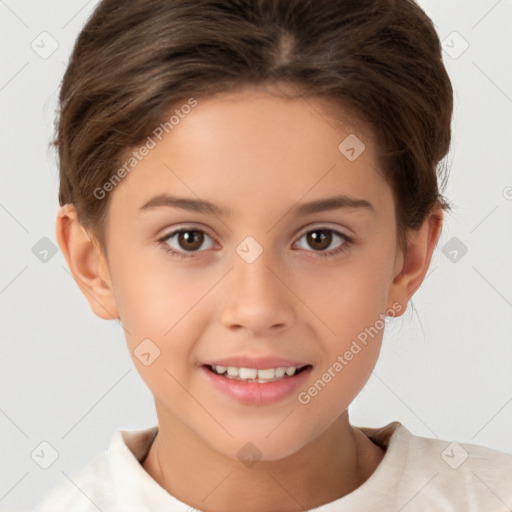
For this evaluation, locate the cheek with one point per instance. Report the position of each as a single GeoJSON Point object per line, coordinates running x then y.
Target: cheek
{"type": "Point", "coordinates": [350, 297]}
{"type": "Point", "coordinates": [339, 381]}
{"type": "Point", "coordinates": [157, 301]}
{"type": "Point", "coordinates": [153, 294]}
{"type": "Point", "coordinates": [354, 311]}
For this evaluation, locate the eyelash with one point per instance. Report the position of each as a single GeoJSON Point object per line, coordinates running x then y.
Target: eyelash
{"type": "Point", "coordinates": [324, 254]}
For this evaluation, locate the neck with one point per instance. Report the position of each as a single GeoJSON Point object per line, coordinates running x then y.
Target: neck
{"type": "Point", "coordinates": [332, 466]}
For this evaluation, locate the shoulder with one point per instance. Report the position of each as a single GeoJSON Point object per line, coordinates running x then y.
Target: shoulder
{"type": "Point", "coordinates": [451, 475]}
{"type": "Point", "coordinates": [113, 481]}
{"type": "Point", "coordinates": [87, 491]}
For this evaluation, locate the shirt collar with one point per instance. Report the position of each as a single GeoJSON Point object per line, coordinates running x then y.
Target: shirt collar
{"type": "Point", "coordinates": [134, 488]}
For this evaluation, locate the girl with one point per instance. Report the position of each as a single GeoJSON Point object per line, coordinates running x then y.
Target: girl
{"type": "Point", "coordinates": [250, 187]}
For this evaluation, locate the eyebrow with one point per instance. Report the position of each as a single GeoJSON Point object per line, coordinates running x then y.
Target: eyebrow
{"type": "Point", "coordinates": [202, 206]}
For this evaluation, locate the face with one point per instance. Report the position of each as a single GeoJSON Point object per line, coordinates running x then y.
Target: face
{"type": "Point", "coordinates": [258, 280]}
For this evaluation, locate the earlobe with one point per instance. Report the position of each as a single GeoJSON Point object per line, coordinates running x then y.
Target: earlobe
{"type": "Point", "coordinates": [416, 261]}
{"type": "Point", "coordinates": [86, 263]}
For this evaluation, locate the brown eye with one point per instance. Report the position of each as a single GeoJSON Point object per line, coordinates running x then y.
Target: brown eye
{"type": "Point", "coordinates": [319, 239]}
{"type": "Point", "coordinates": [190, 240]}
{"type": "Point", "coordinates": [183, 241]}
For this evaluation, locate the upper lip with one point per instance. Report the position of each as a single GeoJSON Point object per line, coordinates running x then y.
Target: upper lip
{"type": "Point", "coordinates": [258, 363]}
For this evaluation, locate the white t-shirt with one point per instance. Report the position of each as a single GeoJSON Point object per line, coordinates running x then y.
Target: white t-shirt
{"type": "Point", "coordinates": [416, 474]}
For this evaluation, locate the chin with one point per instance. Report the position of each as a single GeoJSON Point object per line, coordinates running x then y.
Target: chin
{"type": "Point", "coordinates": [255, 446]}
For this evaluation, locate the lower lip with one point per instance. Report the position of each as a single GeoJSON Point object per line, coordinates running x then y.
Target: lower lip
{"type": "Point", "coordinates": [255, 393]}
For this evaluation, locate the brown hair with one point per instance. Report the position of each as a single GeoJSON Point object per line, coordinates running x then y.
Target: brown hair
{"type": "Point", "coordinates": [134, 60]}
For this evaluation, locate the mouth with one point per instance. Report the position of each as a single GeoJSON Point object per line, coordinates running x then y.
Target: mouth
{"type": "Point", "coordinates": [261, 376]}
{"type": "Point", "coordinates": [270, 383]}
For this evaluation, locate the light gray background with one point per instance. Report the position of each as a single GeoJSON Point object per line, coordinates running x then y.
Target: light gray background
{"type": "Point", "coordinates": [66, 375]}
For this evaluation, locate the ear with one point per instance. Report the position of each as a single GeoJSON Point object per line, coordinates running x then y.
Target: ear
{"type": "Point", "coordinates": [413, 265]}
{"type": "Point", "coordinates": [87, 263]}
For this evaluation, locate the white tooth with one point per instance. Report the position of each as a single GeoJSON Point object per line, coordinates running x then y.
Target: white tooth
{"type": "Point", "coordinates": [220, 369]}
{"type": "Point", "coordinates": [232, 371]}
{"type": "Point", "coordinates": [280, 372]}
{"type": "Point", "coordinates": [248, 373]}
{"type": "Point", "coordinates": [290, 371]}
{"type": "Point", "coordinates": [266, 374]}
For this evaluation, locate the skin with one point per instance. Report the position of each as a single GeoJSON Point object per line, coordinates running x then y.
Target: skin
{"type": "Point", "coordinates": [259, 154]}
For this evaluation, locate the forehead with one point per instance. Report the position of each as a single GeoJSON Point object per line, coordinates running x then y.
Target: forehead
{"type": "Point", "coordinates": [262, 111]}
{"type": "Point", "coordinates": [258, 148]}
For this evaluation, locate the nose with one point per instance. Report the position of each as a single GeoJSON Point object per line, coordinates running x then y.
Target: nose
{"type": "Point", "coordinates": [257, 297]}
